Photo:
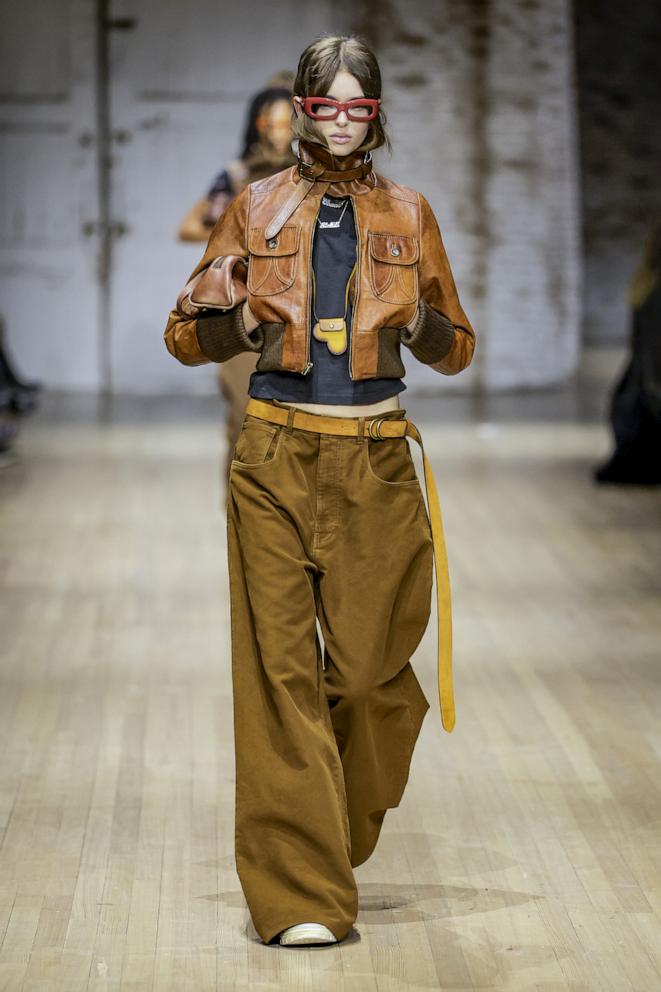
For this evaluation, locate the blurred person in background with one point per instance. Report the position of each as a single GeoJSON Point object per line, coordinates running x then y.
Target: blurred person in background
{"type": "Point", "coordinates": [18, 397]}
{"type": "Point", "coordinates": [267, 149]}
{"type": "Point", "coordinates": [635, 405]}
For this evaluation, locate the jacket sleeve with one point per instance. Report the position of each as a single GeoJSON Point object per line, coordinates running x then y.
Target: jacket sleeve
{"type": "Point", "coordinates": [220, 334]}
{"type": "Point", "coordinates": [442, 336]}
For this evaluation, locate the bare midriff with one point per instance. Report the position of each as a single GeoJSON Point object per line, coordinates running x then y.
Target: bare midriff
{"type": "Point", "coordinates": [353, 410]}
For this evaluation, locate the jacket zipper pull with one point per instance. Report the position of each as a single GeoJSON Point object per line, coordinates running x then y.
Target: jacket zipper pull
{"type": "Point", "coordinates": [307, 368]}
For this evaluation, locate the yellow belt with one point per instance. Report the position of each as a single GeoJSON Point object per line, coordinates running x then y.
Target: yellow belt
{"type": "Point", "coordinates": [381, 428]}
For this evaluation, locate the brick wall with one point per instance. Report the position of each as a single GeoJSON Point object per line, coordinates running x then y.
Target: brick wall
{"type": "Point", "coordinates": [480, 96]}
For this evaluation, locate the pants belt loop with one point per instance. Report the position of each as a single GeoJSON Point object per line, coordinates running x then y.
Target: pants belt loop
{"type": "Point", "coordinates": [290, 419]}
{"type": "Point", "coordinates": [360, 435]}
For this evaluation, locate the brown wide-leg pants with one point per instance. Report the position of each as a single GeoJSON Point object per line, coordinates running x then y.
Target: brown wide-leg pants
{"type": "Point", "coordinates": [334, 528]}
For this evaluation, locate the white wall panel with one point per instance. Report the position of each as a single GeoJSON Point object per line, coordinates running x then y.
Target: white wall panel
{"type": "Point", "coordinates": [48, 265]}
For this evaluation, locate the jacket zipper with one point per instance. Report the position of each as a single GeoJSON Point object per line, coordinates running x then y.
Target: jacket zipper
{"type": "Point", "coordinates": [355, 299]}
{"type": "Point", "coordinates": [308, 363]}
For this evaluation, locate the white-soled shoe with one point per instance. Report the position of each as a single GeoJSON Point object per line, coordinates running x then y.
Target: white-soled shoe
{"type": "Point", "coordinates": [307, 933]}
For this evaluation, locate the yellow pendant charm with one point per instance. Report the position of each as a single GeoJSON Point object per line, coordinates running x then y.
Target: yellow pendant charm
{"type": "Point", "coordinates": [332, 330]}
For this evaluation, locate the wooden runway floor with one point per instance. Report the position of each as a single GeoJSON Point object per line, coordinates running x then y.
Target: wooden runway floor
{"type": "Point", "coordinates": [526, 853]}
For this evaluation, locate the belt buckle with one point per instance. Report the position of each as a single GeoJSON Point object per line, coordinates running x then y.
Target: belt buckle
{"type": "Point", "coordinates": [305, 170]}
{"type": "Point", "coordinates": [377, 421]}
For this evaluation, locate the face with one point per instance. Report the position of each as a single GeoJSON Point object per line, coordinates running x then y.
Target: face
{"type": "Point", "coordinates": [341, 135]}
{"type": "Point", "coordinates": [275, 123]}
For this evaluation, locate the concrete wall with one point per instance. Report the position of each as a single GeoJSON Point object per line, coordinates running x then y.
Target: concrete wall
{"type": "Point", "coordinates": [481, 101]}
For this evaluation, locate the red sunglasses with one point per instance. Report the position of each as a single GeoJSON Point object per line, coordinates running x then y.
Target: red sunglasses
{"type": "Point", "coordinates": [322, 108]}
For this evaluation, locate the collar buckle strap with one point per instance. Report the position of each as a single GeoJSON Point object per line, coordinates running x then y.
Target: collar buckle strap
{"type": "Point", "coordinates": [309, 171]}
{"type": "Point", "coordinates": [296, 196]}
{"type": "Point", "coordinates": [315, 172]}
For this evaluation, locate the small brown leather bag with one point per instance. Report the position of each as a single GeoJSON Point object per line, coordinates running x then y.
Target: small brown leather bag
{"type": "Point", "coordinates": [220, 286]}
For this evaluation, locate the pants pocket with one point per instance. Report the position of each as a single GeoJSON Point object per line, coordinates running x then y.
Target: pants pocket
{"type": "Point", "coordinates": [390, 462]}
{"type": "Point", "coordinates": [258, 443]}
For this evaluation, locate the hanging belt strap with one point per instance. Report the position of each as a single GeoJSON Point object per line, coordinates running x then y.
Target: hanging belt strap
{"type": "Point", "coordinates": [443, 598]}
{"type": "Point", "coordinates": [379, 429]}
{"type": "Point", "coordinates": [297, 195]}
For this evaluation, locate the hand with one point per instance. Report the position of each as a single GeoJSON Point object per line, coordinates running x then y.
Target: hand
{"type": "Point", "coordinates": [249, 319]}
{"type": "Point", "coordinates": [215, 207]}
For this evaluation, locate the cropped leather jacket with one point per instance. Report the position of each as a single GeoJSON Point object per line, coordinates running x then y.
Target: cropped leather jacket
{"type": "Point", "coordinates": [402, 273]}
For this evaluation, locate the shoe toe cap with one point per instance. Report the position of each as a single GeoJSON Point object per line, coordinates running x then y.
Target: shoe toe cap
{"type": "Point", "coordinates": [308, 933]}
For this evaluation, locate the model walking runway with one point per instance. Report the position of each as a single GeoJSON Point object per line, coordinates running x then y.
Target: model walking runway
{"type": "Point", "coordinates": [525, 851]}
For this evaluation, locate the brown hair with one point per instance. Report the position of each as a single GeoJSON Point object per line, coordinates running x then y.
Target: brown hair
{"type": "Point", "coordinates": [317, 68]}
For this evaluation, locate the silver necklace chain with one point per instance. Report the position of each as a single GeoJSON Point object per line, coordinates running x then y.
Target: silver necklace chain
{"type": "Point", "coordinates": [332, 223]}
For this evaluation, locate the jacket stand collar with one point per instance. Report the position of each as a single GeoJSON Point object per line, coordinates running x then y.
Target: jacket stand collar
{"type": "Point", "coordinates": [318, 167]}
{"type": "Point", "coordinates": [318, 163]}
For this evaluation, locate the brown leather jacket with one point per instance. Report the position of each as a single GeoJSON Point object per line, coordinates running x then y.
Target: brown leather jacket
{"type": "Point", "coordinates": [402, 271]}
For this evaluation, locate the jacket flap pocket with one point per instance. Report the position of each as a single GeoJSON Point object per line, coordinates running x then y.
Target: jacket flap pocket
{"type": "Point", "coordinates": [284, 243]}
{"type": "Point", "coordinates": [396, 249]}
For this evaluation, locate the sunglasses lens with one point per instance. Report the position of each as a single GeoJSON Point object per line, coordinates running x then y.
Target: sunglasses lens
{"type": "Point", "coordinates": [360, 112]}
{"type": "Point", "coordinates": [323, 110]}
{"type": "Point", "coordinates": [329, 111]}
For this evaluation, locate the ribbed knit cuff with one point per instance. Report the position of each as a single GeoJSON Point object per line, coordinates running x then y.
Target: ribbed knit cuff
{"type": "Point", "coordinates": [223, 334]}
{"type": "Point", "coordinates": [432, 335]}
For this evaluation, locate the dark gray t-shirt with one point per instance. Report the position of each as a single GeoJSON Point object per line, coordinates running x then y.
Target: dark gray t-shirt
{"type": "Point", "coordinates": [328, 381]}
